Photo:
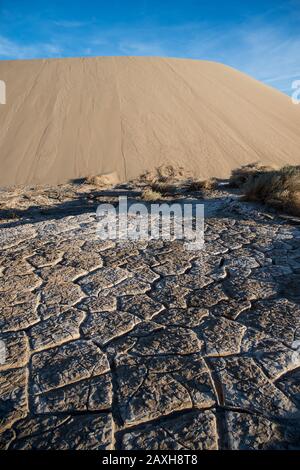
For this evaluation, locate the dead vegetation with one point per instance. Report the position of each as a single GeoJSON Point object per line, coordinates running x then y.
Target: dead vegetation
{"type": "Point", "coordinates": [165, 173]}
{"type": "Point", "coordinates": [93, 180]}
{"type": "Point", "coordinates": [202, 185]}
{"type": "Point", "coordinates": [104, 180]}
{"type": "Point", "coordinates": [278, 188]}
{"type": "Point", "coordinates": [150, 195]}
{"type": "Point", "coordinates": [163, 188]}
{"type": "Point", "coordinates": [241, 175]}
{"type": "Point", "coordinates": [171, 180]}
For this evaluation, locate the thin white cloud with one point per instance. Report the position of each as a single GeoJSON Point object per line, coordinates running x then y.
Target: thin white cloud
{"type": "Point", "coordinates": [261, 51]}
{"type": "Point", "coordinates": [283, 77]}
{"type": "Point", "coordinates": [10, 49]}
{"type": "Point", "coordinates": [261, 48]}
{"type": "Point", "coordinates": [142, 48]}
{"type": "Point", "coordinates": [69, 24]}
{"type": "Point", "coordinates": [14, 50]}
{"type": "Point", "coordinates": [266, 52]}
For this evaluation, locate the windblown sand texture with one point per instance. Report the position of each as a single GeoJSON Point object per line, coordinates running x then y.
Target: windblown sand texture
{"type": "Point", "coordinates": [69, 118]}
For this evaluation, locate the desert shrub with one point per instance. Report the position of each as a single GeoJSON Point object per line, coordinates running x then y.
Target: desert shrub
{"type": "Point", "coordinates": [163, 174]}
{"type": "Point", "coordinates": [166, 173]}
{"type": "Point", "coordinates": [108, 179]}
{"type": "Point", "coordinates": [206, 185]}
{"type": "Point", "coordinates": [163, 188]}
{"type": "Point", "coordinates": [190, 185]}
{"type": "Point", "coordinates": [146, 177]}
{"type": "Point", "coordinates": [278, 188]}
{"type": "Point", "coordinates": [241, 175]}
{"type": "Point", "coordinates": [150, 195]}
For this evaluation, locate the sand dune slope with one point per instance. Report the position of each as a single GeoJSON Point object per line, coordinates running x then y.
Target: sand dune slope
{"type": "Point", "coordinates": [69, 118]}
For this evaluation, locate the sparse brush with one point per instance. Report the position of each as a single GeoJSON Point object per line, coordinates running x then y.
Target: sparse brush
{"type": "Point", "coordinates": [206, 185]}
{"type": "Point", "coordinates": [109, 179]}
{"type": "Point", "coordinates": [278, 188]}
{"type": "Point", "coordinates": [241, 175]}
{"type": "Point", "coordinates": [190, 184]}
{"type": "Point", "coordinates": [147, 176]}
{"type": "Point", "coordinates": [162, 188]}
{"type": "Point", "coordinates": [95, 180]}
{"type": "Point", "coordinates": [166, 173]}
{"type": "Point", "coordinates": [150, 195]}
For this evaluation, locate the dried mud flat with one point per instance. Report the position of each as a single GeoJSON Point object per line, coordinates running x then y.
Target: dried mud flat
{"type": "Point", "coordinates": [147, 345]}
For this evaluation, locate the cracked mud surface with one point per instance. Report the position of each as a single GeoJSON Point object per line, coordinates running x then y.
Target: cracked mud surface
{"type": "Point", "coordinates": [148, 345]}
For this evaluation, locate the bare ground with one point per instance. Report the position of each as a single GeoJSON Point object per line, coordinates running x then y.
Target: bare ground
{"type": "Point", "coordinates": [147, 345]}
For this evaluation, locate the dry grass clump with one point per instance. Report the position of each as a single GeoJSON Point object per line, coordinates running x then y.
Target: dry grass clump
{"type": "Point", "coordinates": [163, 174]}
{"type": "Point", "coordinates": [166, 173]}
{"type": "Point", "coordinates": [94, 180]}
{"type": "Point", "coordinates": [165, 179]}
{"type": "Point", "coordinates": [241, 175]}
{"type": "Point", "coordinates": [169, 179]}
{"type": "Point", "coordinates": [206, 185]}
{"type": "Point", "coordinates": [108, 179]}
{"type": "Point", "coordinates": [163, 188]}
{"type": "Point", "coordinates": [179, 186]}
{"type": "Point", "coordinates": [278, 188]}
{"type": "Point", "coordinates": [145, 177]}
{"type": "Point", "coordinates": [150, 195]}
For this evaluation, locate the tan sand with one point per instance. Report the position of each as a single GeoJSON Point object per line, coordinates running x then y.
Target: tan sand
{"type": "Point", "coordinates": [69, 118]}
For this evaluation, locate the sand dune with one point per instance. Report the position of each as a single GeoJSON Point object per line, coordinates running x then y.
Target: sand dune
{"type": "Point", "coordinates": [68, 118]}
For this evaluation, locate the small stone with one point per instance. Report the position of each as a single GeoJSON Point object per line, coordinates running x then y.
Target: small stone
{"type": "Point", "coordinates": [190, 317]}
{"type": "Point", "coordinates": [15, 350]}
{"type": "Point", "coordinates": [6, 439]}
{"type": "Point", "coordinates": [82, 260]}
{"type": "Point", "coordinates": [221, 336]}
{"type": "Point", "coordinates": [101, 303]}
{"type": "Point", "coordinates": [191, 431]}
{"type": "Point", "coordinates": [141, 306]}
{"type": "Point", "coordinates": [56, 330]}
{"type": "Point", "coordinates": [67, 364]}
{"type": "Point", "coordinates": [168, 292]}
{"type": "Point", "coordinates": [88, 395]}
{"type": "Point", "coordinates": [245, 386]}
{"type": "Point", "coordinates": [49, 255]}
{"type": "Point", "coordinates": [231, 309]}
{"type": "Point", "coordinates": [146, 274]}
{"type": "Point", "coordinates": [103, 327]}
{"type": "Point", "coordinates": [154, 387]}
{"type": "Point", "coordinates": [252, 432]}
{"type": "Point", "coordinates": [57, 298]}
{"type": "Point", "coordinates": [168, 341]}
{"type": "Point", "coordinates": [102, 279]}
{"type": "Point", "coordinates": [207, 297]}
{"type": "Point", "coordinates": [90, 432]}
{"type": "Point", "coordinates": [13, 396]}
{"type": "Point", "coordinates": [277, 318]}
{"type": "Point", "coordinates": [19, 316]}
{"type": "Point", "coordinates": [290, 385]}
{"type": "Point", "coordinates": [19, 283]}
{"type": "Point", "coordinates": [248, 288]}
{"type": "Point", "coordinates": [131, 286]}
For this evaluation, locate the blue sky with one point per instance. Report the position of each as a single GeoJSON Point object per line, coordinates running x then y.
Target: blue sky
{"type": "Point", "coordinates": [261, 38]}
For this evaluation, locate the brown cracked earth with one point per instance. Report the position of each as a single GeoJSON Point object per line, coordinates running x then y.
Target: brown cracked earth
{"type": "Point", "coordinates": [147, 345]}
